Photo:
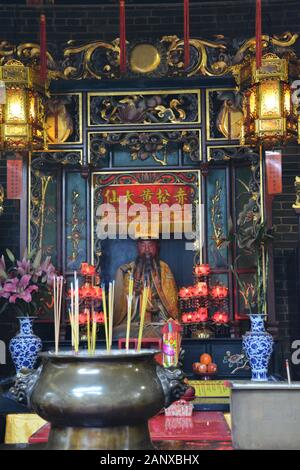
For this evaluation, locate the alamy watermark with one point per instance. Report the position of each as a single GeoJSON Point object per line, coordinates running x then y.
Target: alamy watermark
{"type": "Point", "coordinates": [182, 221]}
{"type": "Point", "coordinates": [295, 358]}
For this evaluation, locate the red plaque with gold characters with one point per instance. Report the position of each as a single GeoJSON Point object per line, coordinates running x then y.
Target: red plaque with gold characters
{"type": "Point", "coordinates": [274, 172]}
{"type": "Point", "coordinates": [14, 178]}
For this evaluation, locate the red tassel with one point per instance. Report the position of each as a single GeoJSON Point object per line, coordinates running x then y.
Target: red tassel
{"type": "Point", "coordinates": [122, 37]}
{"type": "Point", "coordinates": [186, 33]}
{"type": "Point", "coordinates": [31, 3]}
{"type": "Point", "coordinates": [258, 34]}
{"type": "Point", "coordinates": [43, 49]}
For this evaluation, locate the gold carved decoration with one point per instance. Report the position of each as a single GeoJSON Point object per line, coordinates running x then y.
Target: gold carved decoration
{"type": "Point", "coordinates": [230, 120]}
{"type": "Point", "coordinates": [100, 59]}
{"type": "Point", "coordinates": [1, 199]}
{"type": "Point", "coordinates": [39, 204]}
{"type": "Point", "coordinates": [216, 216]}
{"type": "Point", "coordinates": [29, 54]}
{"type": "Point", "coordinates": [59, 123]}
{"type": "Point", "coordinates": [144, 58]}
{"type": "Point", "coordinates": [297, 186]}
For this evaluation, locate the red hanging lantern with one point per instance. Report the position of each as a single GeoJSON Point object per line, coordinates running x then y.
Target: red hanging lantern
{"type": "Point", "coordinates": [220, 318]}
{"type": "Point", "coordinates": [122, 37]}
{"type": "Point", "coordinates": [97, 292]}
{"type": "Point", "coordinates": [87, 269]}
{"type": "Point", "coordinates": [202, 270]}
{"type": "Point", "coordinates": [219, 292]}
{"type": "Point", "coordinates": [258, 34]}
{"type": "Point", "coordinates": [202, 315]}
{"type": "Point", "coordinates": [185, 292]}
{"type": "Point", "coordinates": [200, 289]}
{"type": "Point", "coordinates": [43, 49]}
{"type": "Point", "coordinates": [186, 33]}
{"type": "Point", "coordinates": [99, 317]}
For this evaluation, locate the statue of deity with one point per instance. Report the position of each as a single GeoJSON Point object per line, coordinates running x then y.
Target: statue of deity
{"type": "Point", "coordinates": [162, 302]}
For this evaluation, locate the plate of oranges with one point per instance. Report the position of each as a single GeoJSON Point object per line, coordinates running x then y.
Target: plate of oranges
{"type": "Point", "coordinates": [206, 367]}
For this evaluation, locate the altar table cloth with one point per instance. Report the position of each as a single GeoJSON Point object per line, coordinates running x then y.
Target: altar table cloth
{"type": "Point", "coordinates": [209, 426]}
{"type": "Point", "coordinates": [19, 427]}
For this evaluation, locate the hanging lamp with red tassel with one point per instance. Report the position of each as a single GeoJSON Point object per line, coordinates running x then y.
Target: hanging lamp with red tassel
{"type": "Point", "coordinates": [122, 37]}
{"type": "Point", "coordinates": [43, 49]}
{"type": "Point", "coordinates": [186, 33]}
{"type": "Point", "coordinates": [258, 34]}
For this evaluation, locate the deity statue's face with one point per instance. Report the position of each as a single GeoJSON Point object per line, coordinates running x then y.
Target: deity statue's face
{"type": "Point", "coordinates": [147, 248]}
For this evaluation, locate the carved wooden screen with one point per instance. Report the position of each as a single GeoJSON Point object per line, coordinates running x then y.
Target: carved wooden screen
{"type": "Point", "coordinates": [94, 132]}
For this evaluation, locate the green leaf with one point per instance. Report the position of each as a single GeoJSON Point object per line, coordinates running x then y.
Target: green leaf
{"type": "Point", "coordinates": [31, 254]}
{"type": "Point", "coordinates": [10, 255]}
{"type": "Point", "coordinates": [3, 274]}
{"type": "Point", "coordinates": [37, 260]}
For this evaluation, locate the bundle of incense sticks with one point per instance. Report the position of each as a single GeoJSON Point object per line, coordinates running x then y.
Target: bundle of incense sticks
{"type": "Point", "coordinates": [129, 310]}
{"type": "Point", "coordinates": [58, 283]}
{"type": "Point", "coordinates": [94, 332]}
{"type": "Point", "coordinates": [143, 306]}
{"type": "Point", "coordinates": [74, 313]}
{"type": "Point", "coordinates": [105, 315]}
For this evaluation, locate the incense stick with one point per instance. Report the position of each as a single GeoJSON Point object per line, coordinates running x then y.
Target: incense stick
{"type": "Point", "coordinates": [71, 314]}
{"type": "Point", "coordinates": [145, 296]}
{"type": "Point", "coordinates": [129, 310]}
{"type": "Point", "coordinates": [105, 315]}
{"type": "Point", "coordinates": [57, 299]}
{"type": "Point", "coordinates": [110, 311]}
{"type": "Point", "coordinates": [288, 371]}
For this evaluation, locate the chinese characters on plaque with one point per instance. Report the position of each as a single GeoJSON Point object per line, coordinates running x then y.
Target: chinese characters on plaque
{"type": "Point", "coordinates": [274, 172]}
{"type": "Point", "coordinates": [14, 178]}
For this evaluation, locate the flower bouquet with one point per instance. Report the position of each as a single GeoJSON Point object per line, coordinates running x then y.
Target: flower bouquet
{"type": "Point", "coordinates": [25, 286]}
{"type": "Point", "coordinates": [26, 283]}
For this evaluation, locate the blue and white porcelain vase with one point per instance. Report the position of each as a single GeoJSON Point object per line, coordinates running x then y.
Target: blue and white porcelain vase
{"type": "Point", "coordinates": [25, 346]}
{"type": "Point", "coordinates": [258, 346]}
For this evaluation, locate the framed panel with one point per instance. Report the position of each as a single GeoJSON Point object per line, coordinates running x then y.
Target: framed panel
{"type": "Point", "coordinates": [224, 114]}
{"type": "Point", "coordinates": [75, 221]}
{"type": "Point", "coordinates": [140, 108]}
{"type": "Point", "coordinates": [43, 210]}
{"type": "Point", "coordinates": [151, 148]}
{"type": "Point", "coordinates": [51, 158]}
{"type": "Point", "coordinates": [159, 187]}
{"type": "Point", "coordinates": [64, 119]}
{"type": "Point", "coordinates": [217, 213]}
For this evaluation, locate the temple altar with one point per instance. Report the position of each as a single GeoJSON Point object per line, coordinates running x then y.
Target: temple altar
{"type": "Point", "coordinates": [150, 236]}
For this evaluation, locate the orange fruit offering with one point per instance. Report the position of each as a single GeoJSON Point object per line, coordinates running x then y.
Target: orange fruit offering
{"type": "Point", "coordinates": [206, 359]}
{"type": "Point", "coordinates": [212, 367]}
{"type": "Point", "coordinates": [202, 368]}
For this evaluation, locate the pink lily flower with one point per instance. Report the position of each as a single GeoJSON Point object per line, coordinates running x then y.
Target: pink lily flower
{"type": "Point", "coordinates": [15, 288]}
{"type": "Point", "coordinates": [23, 267]}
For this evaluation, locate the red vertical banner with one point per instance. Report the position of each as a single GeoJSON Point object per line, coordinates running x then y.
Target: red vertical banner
{"type": "Point", "coordinates": [274, 171]}
{"type": "Point", "coordinates": [186, 33]}
{"type": "Point", "coordinates": [43, 49]}
{"type": "Point", "coordinates": [14, 178]}
{"type": "Point", "coordinates": [258, 34]}
{"type": "Point", "coordinates": [122, 37]}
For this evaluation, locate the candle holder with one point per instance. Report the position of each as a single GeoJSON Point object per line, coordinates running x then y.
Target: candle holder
{"type": "Point", "coordinates": [204, 307]}
{"type": "Point", "coordinates": [90, 301]}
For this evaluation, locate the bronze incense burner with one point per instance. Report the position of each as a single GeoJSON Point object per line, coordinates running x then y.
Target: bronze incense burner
{"type": "Point", "coordinates": [101, 401]}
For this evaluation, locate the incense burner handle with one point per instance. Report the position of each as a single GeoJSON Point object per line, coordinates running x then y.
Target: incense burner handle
{"type": "Point", "coordinates": [24, 384]}
{"type": "Point", "coordinates": [172, 382]}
